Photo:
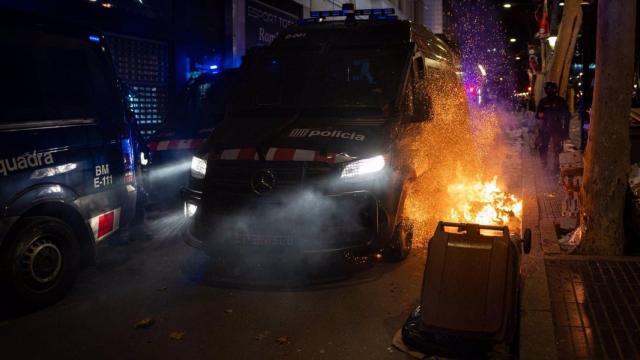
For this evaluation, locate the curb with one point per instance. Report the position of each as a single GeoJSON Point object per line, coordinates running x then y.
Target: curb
{"type": "Point", "coordinates": [537, 333]}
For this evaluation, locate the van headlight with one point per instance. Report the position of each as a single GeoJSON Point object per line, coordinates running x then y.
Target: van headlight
{"type": "Point", "coordinates": [198, 167]}
{"type": "Point", "coordinates": [143, 159]}
{"type": "Point", "coordinates": [363, 167]}
{"type": "Point", "coordinates": [190, 209]}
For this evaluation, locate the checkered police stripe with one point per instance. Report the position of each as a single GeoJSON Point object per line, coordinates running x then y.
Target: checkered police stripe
{"type": "Point", "coordinates": [280, 154]}
{"type": "Point", "coordinates": [182, 144]}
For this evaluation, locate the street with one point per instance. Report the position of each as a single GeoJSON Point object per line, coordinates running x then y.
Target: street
{"type": "Point", "coordinates": [163, 279]}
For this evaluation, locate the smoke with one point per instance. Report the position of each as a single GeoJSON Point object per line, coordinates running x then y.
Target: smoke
{"type": "Point", "coordinates": [270, 232]}
{"type": "Point", "coordinates": [164, 181]}
{"type": "Point", "coordinates": [307, 219]}
{"type": "Point", "coordinates": [173, 169]}
{"type": "Point", "coordinates": [167, 227]}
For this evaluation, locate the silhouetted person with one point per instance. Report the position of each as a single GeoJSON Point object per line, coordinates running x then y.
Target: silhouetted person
{"type": "Point", "coordinates": [553, 115]}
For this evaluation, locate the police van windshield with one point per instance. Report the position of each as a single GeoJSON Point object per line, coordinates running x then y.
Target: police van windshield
{"type": "Point", "coordinates": [47, 76]}
{"type": "Point", "coordinates": [200, 105]}
{"type": "Point", "coordinates": [363, 78]}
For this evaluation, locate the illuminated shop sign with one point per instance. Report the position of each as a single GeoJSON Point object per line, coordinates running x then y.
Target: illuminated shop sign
{"type": "Point", "coordinates": [264, 22]}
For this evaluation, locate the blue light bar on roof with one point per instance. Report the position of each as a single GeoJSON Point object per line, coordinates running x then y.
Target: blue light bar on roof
{"type": "Point", "coordinates": [362, 12]}
{"type": "Point", "coordinates": [94, 38]}
{"type": "Point", "coordinates": [326, 13]}
{"type": "Point", "coordinates": [387, 11]}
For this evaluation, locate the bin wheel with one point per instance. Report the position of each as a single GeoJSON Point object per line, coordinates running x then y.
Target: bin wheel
{"type": "Point", "coordinates": [40, 260]}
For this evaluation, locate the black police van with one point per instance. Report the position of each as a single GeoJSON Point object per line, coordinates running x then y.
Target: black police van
{"type": "Point", "coordinates": [307, 159]}
{"type": "Point", "coordinates": [67, 164]}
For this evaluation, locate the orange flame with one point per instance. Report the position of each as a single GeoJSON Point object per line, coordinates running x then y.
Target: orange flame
{"type": "Point", "coordinates": [484, 202]}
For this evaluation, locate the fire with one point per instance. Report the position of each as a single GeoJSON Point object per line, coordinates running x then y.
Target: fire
{"type": "Point", "coordinates": [484, 202]}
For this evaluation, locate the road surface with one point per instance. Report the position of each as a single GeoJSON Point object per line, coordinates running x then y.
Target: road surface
{"type": "Point", "coordinates": [200, 309]}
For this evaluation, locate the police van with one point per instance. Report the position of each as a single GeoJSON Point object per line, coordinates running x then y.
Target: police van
{"type": "Point", "coordinates": [67, 164]}
{"type": "Point", "coordinates": [197, 109]}
{"type": "Point", "coordinates": [307, 159]}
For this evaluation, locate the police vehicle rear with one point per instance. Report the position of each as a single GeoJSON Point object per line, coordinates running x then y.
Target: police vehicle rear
{"type": "Point", "coordinates": [307, 159]}
{"type": "Point", "coordinates": [67, 165]}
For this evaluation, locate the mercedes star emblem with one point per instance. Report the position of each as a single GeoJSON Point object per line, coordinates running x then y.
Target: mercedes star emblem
{"type": "Point", "coordinates": [263, 182]}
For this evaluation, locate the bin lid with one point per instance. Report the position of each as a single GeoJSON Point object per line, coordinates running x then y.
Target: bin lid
{"type": "Point", "coordinates": [466, 279]}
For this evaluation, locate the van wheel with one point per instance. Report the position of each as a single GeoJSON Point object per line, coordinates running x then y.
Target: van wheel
{"type": "Point", "coordinates": [40, 260]}
{"type": "Point", "coordinates": [399, 247]}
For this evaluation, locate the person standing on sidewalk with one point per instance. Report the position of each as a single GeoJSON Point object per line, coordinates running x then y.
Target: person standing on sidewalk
{"type": "Point", "coordinates": [553, 118]}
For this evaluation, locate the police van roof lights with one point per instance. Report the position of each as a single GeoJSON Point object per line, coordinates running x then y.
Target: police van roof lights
{"type": "Point", "coordinates": [350, 10]}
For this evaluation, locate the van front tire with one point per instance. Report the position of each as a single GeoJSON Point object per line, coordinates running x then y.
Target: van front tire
{"type": "Point", "coordinates": [40, 261]}
{"type": "Point", "coordinates": [399, 246]}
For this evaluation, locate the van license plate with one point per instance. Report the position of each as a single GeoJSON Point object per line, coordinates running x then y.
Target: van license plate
{"type": "Point", "coordinates": [261, 240]}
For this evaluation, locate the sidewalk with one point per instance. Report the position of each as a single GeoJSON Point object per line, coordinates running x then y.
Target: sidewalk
{"type": "Point", "coordinates": [574, 307]}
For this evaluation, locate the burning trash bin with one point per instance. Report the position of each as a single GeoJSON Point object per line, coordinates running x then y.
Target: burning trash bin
{"type": "Point", "coordinates": [470, 294]}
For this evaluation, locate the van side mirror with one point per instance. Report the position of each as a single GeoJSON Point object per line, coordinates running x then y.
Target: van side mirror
{"type": "Point", "coordinates": [418, 63]}
{"type": "Point", "coordinates": [422, 105]}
